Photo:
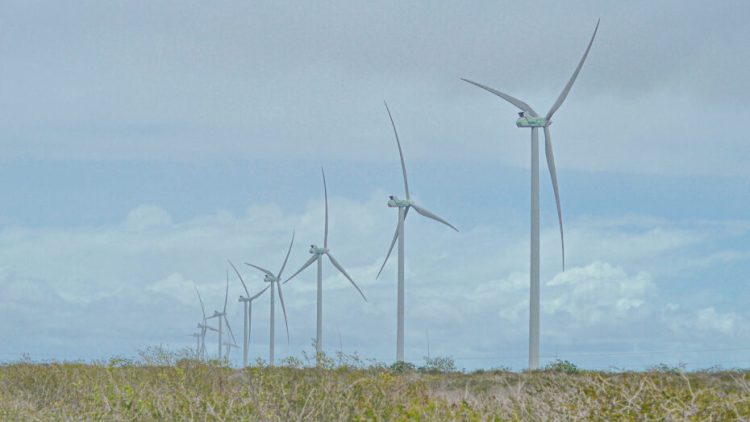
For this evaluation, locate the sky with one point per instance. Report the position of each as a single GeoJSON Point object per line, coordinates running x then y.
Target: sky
{"type": "Point", "coordinates": [144, 144]}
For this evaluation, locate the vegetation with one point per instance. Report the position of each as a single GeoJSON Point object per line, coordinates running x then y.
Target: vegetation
{"type": "Point", "coordinates": [167, 387]}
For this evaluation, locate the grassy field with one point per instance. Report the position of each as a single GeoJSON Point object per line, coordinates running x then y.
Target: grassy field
{"type": "Point", "coordinates": [190, 390]}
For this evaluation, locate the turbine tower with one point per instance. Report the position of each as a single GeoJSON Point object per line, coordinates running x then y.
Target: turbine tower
{"type": "Point", "coordinates": [317, 255]}
{"type": "Point", "coordinates": [247, 304]}
{"type": "Point", "coordinates": [403, 206]}
{"type": "Point", "coordinates": [271, 279]}
{"type": "Point", "coordinates": [530, 119]}
{"type": "Point", "coordinates": [222, 316]}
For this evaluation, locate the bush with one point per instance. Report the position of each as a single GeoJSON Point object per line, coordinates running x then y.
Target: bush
{"type": "Point", "coordinates": [563, 366]}
{"type": "Point", "coordinates": [438, 365]}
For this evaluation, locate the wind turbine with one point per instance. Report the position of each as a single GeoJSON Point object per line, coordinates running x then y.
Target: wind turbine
{"type": "Point", "coordinates": [203, 326]}
{"type": "Point", "coordinates": [222, 316]}
{"type": "Point", "coordinates": [272, 278]}
{"type": "Point", "coordinates": [530, 119]}
{"type": "Point", "coordinates": [403, 206]}
{"type": "Point", "coordinates": [317, 255]}
{"type": "Point", "coordinates": [229, 348]}
{"type": "Point", "coordinates": [247, 303]}
{"type": "Point", "coordinates": [197, 343]}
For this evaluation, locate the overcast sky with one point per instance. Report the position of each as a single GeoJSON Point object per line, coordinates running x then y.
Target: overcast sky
{"type": "Point", "coordinates": [142, 144]}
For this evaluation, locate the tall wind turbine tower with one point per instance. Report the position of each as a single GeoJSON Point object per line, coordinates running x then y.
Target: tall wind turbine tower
{"type": "Point", "coordinates": [317, 256]}
{"type": "Point", "coordinates": [530, 119]}
{"type": "Point", "coordinates": [403, 206]}
{"type": "Point", "coordinates": [273, 279]}
{"type": "Point", "coordinates": [247, 302]}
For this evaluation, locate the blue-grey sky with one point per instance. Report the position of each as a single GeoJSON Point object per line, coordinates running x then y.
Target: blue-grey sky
{"type": "Point", "coordinates": [144, 143]}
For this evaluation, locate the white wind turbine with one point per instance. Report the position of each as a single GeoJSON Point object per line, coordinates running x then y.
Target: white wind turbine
{"type": "Point", "coordinates": [530, 119]}
{"type": "Point", "coordinates": [317, 255]}
{"type": "Point", "coordinates": [403, 206]}
{"type": "Point", "coordinates": [247, 303]}
{"type": "Point", "coordinates": [204, 327]}
{"type": "Point", "coordinates": [222, 316]}
{"type": "Point", "coordinates": [272, 278]}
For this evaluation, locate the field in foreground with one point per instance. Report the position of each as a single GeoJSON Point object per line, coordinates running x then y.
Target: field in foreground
{"type": "Point", "coordinates": [191, 390]}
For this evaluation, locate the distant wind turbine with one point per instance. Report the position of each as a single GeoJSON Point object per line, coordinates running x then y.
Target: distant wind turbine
{"type": "Point", "coordinates": [530, 119]}
{"type": "Point", "coordinates": [272, 279]}
{"type": "Point", "coordinates": [317, 255]}
{"type": "Point", "coordinates": [403, 206]}
{"type": "Point", "coordinates": [222, 316]}
{"type": "Point", "coordinates": [204, 327]}
{"type": "Point", "coordinates": [247, 303]}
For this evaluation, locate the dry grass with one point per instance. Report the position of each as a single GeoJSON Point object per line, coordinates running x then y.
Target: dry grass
{"type": "Point", "coordinates": [190, 390]}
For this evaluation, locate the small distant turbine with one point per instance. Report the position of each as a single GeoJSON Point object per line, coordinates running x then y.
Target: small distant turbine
{"type": "Point", "coordinates": [530, 119]}
{"type": "Point", "coordinates": [229, 346]}
{"type": "Point", "coordinates": [247, 303]}
{"type": "Point", "coordinates": [274, 279]}
{"type": "Point", "coordinates": [317, 255]}
{"type": "Point", "coordinates": [204, 327]}
{"type": "Point", "coordinates": [403, 206]}
{"type": "Point", "coordinates": [222, 316]}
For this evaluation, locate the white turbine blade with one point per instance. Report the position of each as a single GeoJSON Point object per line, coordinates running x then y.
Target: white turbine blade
{"type": "Point", "coordinates": [513, 100]}
{"type": "Point", "coordinates": [393, 243]}
{"type": "Point", "coordinates": [226, 294]}
{"type": "Point", "coordinates": [325, 195]}
{"type": "Point", "coordinates": [240, 277]}
{"type": "Point", "coordinates": [260, 293]}
{"type": "Point", "coordinates": [229, 328]}
{"type": "Point", "coordinates": [340, 268]}
{"type": "Point", "coordinates": [553, 175]}
{"type": "Point", "coordinates": [307, 264]}
{"type": "Point", "coordinates": [278, 277]}
{"type": "Point", "coordinates": [428, 214]}
{"type": "Point", "coordinates": [569, 85]}
{"type": "Point", "coordinates": [400, 151]}
{"type": "Point", "coordinates": [203, 308]}
{"type": "Point", "coordinates": [260, 268]}
{"type": "Point", "coordinates": [283, 309]}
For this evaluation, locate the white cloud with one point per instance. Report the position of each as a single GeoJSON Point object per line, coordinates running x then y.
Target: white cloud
{"type": "Point", "coordinates": [709, 319]}
{"type": "Point", "coordinates": [598, 292]}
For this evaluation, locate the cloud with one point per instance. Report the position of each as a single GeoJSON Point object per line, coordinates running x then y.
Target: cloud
{"type": "Point", "coordinates": [136, 279]}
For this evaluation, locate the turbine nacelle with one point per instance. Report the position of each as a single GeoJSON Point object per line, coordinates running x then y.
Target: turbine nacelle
{"type": "Point", "coordinates": [529, 121]}
{"type": "Point", "coordinates": [315, 250]}
{"type": "Point", "coordinates": [269, 279]}
{"type": "Point", "coordinates": [395, 202]}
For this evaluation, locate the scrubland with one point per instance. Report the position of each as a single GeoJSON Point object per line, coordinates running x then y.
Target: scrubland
{"type": "Point", "coordinates": [348, 389]}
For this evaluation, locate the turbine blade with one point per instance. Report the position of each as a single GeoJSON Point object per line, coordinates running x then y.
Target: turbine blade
{"type": "Point", "coordinates": [513, 100]}
{"type": "Point", "coordinates": [226, 294]}
{"type": "Point", "coordinates": [229, 327]}
{"type": "Point", "coordinates": [203, 308]}
{"type": "Point", "coordinates": [325, 195]}
{"type": "Point", "coordinates": [553, 175]}
{"type": "Point", "coordinates": [400, 151]}
{"type": "Point", "coordinates": [278, 277]}
{"type": "Point", "coordinates": [307, 264]}
{"type": "Point", "coordinates": [340, 268]}
{"type": "Point", "coordinates": [260, 293]}
{"type": "Point", "coordinates": [569, 85]}
{"type": "Point", "coordinates": [260, 268]}
{"type": "Point", "coordinates": [435, 217]}
{"type": "Point", "coordinates": [283, 308]}
{"type": "Point", "coordinates": [393, 243]}
{"type": "Point", "coordinates": [240, 277]}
